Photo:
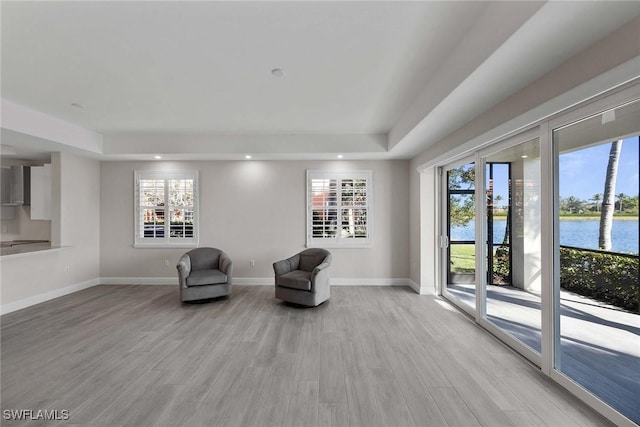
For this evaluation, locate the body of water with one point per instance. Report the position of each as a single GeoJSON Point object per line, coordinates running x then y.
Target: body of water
{"type": "Point", "coordinates": [578, 233]}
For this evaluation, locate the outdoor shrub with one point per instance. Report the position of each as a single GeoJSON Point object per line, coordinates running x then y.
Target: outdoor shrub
{"type": "Point", "coordinates": [603, 276]}
{"type": "Point", "coordinates": [501, 266]}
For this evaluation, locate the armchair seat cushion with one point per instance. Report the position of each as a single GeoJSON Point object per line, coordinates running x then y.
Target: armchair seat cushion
{"type": "Point", "coordinates": [296, 279]}
{"type": "Point", "coordinates": [206, 277]}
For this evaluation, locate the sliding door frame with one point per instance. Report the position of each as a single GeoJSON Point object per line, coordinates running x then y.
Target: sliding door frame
{"type": "Point", "coordinates": [549, 186]}
{"type": "Point", "coordinates": [443, 233]}
{"type": "Point", "coordinates": [552, 227]}
{"type": "Point", "coordinates": [521, 138]}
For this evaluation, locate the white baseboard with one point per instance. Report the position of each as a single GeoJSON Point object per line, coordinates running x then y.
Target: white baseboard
{"type": "Point", "coordinates": [429, 289]}
{"type": "Point", "coordinates": [368, 282]}
{"type": "Point", "coordinates": [260, 281]}
{"type": "Point", "coordinates": [254, 281]}
{"type": "Point", "coordinates": [138, 280]}
{"type": "Point", "coordinates": [413, 285]}
{"type": "Point", "coordinates": [174, 281]}
{"type": "Point", "coordinates": [37, 299]}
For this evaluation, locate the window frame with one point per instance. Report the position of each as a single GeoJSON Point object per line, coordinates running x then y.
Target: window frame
{"type": "Point", "coordinates": [338, 241]}
{"type": "Point", "coordinates": [166, 241]}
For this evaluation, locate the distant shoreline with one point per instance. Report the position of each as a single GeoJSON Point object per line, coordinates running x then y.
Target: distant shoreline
{"type": "Point", "coordinates": [583, 218]}
{"type": "Point", "coordinates": [597, 218]}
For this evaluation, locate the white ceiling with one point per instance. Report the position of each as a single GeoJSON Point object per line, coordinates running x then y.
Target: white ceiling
{"type": "Point", "coordinates": [354, 72]}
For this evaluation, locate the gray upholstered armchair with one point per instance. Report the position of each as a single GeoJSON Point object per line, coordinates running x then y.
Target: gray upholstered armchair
{"type": "Point", "coordinates": [304, 278]}
{"type": "Point", "coordinates": [204, 273]}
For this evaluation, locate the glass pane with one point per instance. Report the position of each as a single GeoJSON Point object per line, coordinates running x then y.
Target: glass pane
{"type": "Point", "coordinates": [153, 223]}
{"type": "Point", "coordinates": [181, 197]}
{"type": "Point", "coordinates": [324, 223]}
{"type": "Point", "coordinates": [498, 188]}
{"type": "Point", "coordinates": [461, 275]}
{"type": "Point", "coordinates": [181, 223]}
{"type": "Point", "coordinates": [354, 223]}
{"type": "Point", "coordinates": [514, 250]}
{"type": "Point", "coordinates": [598, 290]}
{"type": "Point", "coordinates": [151, 192]}
{"type": "Point", "coordinates": [181, 192]}
{"type": "Point", "coordinates": [461, 216]}
{"type": "Point", "coordinates": [463, 261]}
{"type": "Point", "coordinates": [324, 192]}
{"type": "Point", "coordinates": [462, 178]}
{"type": "Point", "coordinates": [354, 192]}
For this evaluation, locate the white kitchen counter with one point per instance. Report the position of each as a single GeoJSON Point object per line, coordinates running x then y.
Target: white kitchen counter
{"type": "Point", "coordinates": [26, 248]}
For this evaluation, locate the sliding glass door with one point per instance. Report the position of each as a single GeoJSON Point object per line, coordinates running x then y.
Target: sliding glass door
{"type": "Point", "coordinates": [596, 289]}
{"type": "Point", "coordinates": [458, 238]}
{"type": "Point", "coordinates": [512, 285]}
{"type": "Point", "coordinates": [539, 241]}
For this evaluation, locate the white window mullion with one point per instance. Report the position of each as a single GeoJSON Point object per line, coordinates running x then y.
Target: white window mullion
{"type": "Point", "coordinates": [339, 208]}
{"type": "Point", "coordinates": [167, 212]}
{"type": "Point", "coordinates": [151, 201]}
{"type": "Point", "coordinates": [136, 209]}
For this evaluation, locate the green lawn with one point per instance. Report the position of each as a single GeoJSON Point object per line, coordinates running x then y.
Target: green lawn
{"type": "Point", "coordinates": [463, 258]}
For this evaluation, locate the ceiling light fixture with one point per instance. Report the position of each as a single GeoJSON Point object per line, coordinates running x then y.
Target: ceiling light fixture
{"type": "Point", "coordinates": [340, 156]}
{"type": "Point", "coordinates": [157, 157]}
{"type": "Point", "coordinates": [248, 156]}
{"type": "Point", "coordinates": [277, 72]}
{"type": "Point", "coordinates": [524, 156]}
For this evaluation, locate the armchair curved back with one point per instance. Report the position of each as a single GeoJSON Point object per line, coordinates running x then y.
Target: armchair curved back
{"type": "Point", "coordinates": [204, 258]}
{"type": "Point", "coordinates": [311, 258]}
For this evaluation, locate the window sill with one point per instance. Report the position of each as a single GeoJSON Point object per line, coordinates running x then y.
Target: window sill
{"type": "Point", "coordinates": [165, 245]}
{"type": "Point", "coordinates": [339, 246]}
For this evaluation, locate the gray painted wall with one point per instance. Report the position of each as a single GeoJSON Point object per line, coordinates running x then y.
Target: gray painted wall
{"type": "Point", "coordinates": [256, 210]}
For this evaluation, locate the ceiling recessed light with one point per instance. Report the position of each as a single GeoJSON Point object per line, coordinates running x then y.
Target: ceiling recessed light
{"type": "Point", "coordinates": [157, 157]}
{"type": "Point", "coordinates": [277, 72]}
{"type": "Point", "coordinates": [248, 156]}
{"type": "Point", "coordinates": [524, 156]}
{"type": "Point", "coordinates": [339, 156]}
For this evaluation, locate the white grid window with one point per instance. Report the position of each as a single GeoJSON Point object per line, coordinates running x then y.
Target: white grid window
{"type": "Point", "coordinates": [339, 208]}
{"type": "Point", "coordinates": [166, 209]}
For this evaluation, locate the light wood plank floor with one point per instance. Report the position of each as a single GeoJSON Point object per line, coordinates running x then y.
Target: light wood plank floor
{"type": "Point", "coordinates": [371, 356]}
{"type": "Point", "coordinates": [599, 345]}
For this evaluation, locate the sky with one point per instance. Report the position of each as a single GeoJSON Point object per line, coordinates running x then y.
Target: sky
{"type": "Point", "coordinates": [583, 172]}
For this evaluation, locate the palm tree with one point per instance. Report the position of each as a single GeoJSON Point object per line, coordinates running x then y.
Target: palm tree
{"type": "Point", "coordinates": [596, 198]}
{"type": "Point", "coordinates": [621, 198]}
{"type": "Point", "coordinates": [573, 204]}
{"type": "Point", "coordinates": [608, 202]}
{"type": "Point", "coordinates": [497, 199]}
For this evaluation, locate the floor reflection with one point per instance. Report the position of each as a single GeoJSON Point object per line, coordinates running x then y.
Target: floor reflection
{"type": "Point", "coordinates": [600, 343]}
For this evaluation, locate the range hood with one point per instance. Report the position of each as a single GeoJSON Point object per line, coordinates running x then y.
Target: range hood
{"type": "Point", "coordinates": [16, 186]}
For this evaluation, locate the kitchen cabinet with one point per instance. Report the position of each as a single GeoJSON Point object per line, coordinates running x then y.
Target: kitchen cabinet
{"type": "Point", "coordinates": [6, 186]}
{"type": "Point", "coordinates": [41, 192]}
{"type": "Point", "coordinates": [6, 212]}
